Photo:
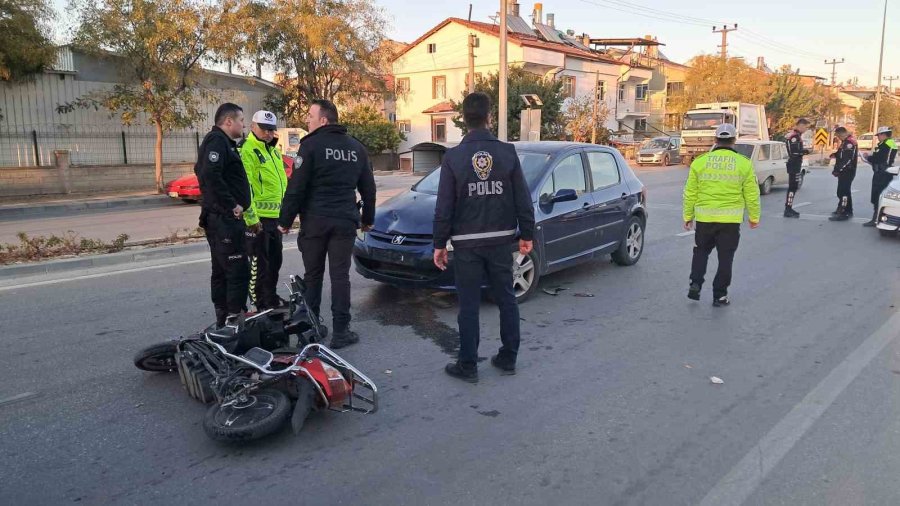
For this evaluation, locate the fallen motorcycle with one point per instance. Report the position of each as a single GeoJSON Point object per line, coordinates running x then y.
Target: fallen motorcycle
{"type": "Point", "coordinates": [252, 386]}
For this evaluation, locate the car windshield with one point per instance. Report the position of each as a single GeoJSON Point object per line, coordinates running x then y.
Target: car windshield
{"type": "Point", "coordinates": [657, 143]}
{"type": "Point", "coordinates": [866, 137]}
{"type": "Point", "coordinates": [532, 165]}
{"type": "Point", "coordinates": [703, 121]}
{"type": "Point", "coordinates": [744, 149]}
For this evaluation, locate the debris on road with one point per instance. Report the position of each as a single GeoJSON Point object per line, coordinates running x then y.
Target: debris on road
{"type": "Point", "coordinates": [689, 366]}
{"type": "Point", "coordinates": [716, 380]}
{"type": "Point", "coordinates": [554, 291]}
{"type": "Point", "coordinates": [584, 295]}
{"type": "Point", "coordinates": [388, 371]}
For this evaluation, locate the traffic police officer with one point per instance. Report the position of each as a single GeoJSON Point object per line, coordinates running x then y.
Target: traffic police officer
{"type": "Point", "coordinates": [482, 201]}
{"type": "Point", "coordinates": [330, 167]}
{"type": "Point", "coordinates": [881, 159]}
{"type": "Point", "coordinates": [268, 182]}
{"type": "Point", "coordinates": [794, 142]}
{"type": "Point", "coordinates": [225, 206]}
{"type": "Point", "coordinates": [845, 170]}
{"type": "Point", "coordinates": [720, 185]}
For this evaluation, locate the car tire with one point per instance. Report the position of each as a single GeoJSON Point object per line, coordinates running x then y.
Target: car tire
{"type": "Point", "coordinates": [189, 201]}
{"type": "Point", "coordinates": [526, 275]}
{"type": "Point", "coordinates": [766, 187]}
{"type": "Point", "coordinates": [632, 245]}
{"type": "Point", "coordinates": [665, 161]}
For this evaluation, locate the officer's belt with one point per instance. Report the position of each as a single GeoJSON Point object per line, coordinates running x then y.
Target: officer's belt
{"type": "Point", "coordinates": [483, 235]}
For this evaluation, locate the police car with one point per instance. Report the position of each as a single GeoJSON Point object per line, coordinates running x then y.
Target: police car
{"type": "Point", "coordinates": [888, 221]}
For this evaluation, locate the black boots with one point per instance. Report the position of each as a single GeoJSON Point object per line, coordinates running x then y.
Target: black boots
{"type": "Point", "coordinates": [790, 213]}
{"type": "Point", "coordinates": [457, 370]}
{"type": "Point", "coordinates": [694, 291]}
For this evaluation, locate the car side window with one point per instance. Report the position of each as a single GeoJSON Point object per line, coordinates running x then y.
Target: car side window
{"type": "Point", "coordinates": [765, 152]}
{"type": "Point", "coordinates": [547, 190]}
{"type": "Point", "coordinates": [569, 175]}
{"type": "Point", "coordinates": [604, 170]}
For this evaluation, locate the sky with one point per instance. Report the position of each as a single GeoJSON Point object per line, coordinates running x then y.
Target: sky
{"type": "Point", "coordinates": [802, 34]}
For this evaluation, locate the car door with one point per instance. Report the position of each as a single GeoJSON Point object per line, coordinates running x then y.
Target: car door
{"type": "Point", "coordinates": [675, 151]}
{"type": "Point", "coordinates": [567, 228]}
{"type": "Point", "coordinates": [610, 198]}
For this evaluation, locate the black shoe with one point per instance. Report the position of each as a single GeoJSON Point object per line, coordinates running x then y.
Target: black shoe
{"type": "Point", "coordinates": [458, 371]}
{"type": "Point", "coordinates": [343, 339]}
{"type": "Point", "coordinates": [694, 291]}
{"type": "Point", "coordinates": [722, 301]}
{"type": "Point", "coordinates": [790, 213]}
{"type": "Point", "coordinates": [507, 368]}
{"type": "Point", "coordinates": [870, 223]}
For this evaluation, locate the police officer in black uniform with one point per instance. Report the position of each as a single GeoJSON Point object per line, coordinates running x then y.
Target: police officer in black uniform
{"type": "Point", "coordinates": [483, 202]}
{"type": "Point", "coordinates": [794, 142]}
{"type": "Point", "coordinates": [845, 170]}
{"type": "Point", "coordinates": [330, 167]}
{"type": "Point", "coordinates": [226, 197]}
{"type": "Point", "coordinates": [880, 160]}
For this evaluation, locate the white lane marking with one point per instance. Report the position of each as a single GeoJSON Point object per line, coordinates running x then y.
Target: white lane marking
{"type": "Point", "coordinates": [740, 483]}
{"type": "Point", "coordinates": [685, 234]}
{"type": "Point", "coordinates": [803, 204]}
{"type": "Point", "coordinates": [100, 275]}
{"type": "Point", "coordinates": [15, 398]}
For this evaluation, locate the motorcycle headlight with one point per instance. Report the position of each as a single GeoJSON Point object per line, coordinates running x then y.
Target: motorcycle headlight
{"type": "Point", "coordinates": [360, 235]}
{"type": "Point", "coordinates": [892, 194]}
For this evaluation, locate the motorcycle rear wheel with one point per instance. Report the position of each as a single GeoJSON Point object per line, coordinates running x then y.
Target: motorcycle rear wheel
{"type": "Point", "coordinates": [157, 358]}
{"type": "Point", "coordinates": [264, 413]}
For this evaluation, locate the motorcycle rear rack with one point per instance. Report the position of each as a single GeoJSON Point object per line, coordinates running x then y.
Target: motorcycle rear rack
{"type": "Point", "coordinates": [368, 397]}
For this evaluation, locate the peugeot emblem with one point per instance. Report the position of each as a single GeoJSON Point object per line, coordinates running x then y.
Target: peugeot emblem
{"type": "Point", "coordinates": [398, 239]}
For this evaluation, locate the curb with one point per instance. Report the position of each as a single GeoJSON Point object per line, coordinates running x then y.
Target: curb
{"type": "Point", "coordinates": [23, 211]}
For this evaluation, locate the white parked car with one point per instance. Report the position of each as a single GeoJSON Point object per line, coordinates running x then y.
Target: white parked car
{"type": "Point", "coordinates": [889, 207]}
{"type": "Point", "coordinates": [866, 141]}
{"type": "Point", "coordinates": [769, 162]}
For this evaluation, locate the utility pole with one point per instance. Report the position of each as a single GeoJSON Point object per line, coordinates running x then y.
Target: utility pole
{"type": "Point", "coordinates": [471, 79]}
{"type": "Point", "coordinates": [880, 63]}
{"type": "Point", "coordinates": [502, 105]}
{"type": "Point", "coordinates": [596, 108]}
{"type": "Point", "coordinates": [832, 120]}
{"type": "Point", "coordinates": [890, 80]}
{"type": "Point", "coordinates": [834, 64]}
{"type": "Point", "coordinates": [724, 31]}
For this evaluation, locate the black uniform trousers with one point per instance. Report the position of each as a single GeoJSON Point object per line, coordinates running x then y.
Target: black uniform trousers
{"type": "Point", "coordinates": [266, 248]}
{"type": "Point", "coordinates": [880, 180]}
{"type": "Point", "coordinates": [794, 177]}
{"type": "Point", "coordinates": [471, 267]}
{"type": "Point", "coordinates": [844, 190]}
{"type": "Point", "coordinates": [724, 238]}
{"type": "Point", "coordinates": [227, 238]}
{"type": "Point", "coordinates": [324, 237]}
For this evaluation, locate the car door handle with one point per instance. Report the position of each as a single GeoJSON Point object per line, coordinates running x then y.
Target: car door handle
{"type": "Point", "coordinates": [624, 196]}
{"type": "Point", "coordinates": [586, 205]}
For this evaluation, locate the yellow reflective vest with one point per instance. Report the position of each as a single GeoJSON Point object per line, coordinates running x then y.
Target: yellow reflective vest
{"type": "Point", "coordinates": [268, 181]}
{"type": "Point", "coordinates": [721, 184]}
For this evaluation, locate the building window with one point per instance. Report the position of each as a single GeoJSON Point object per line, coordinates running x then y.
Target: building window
{"type": "Point", "coordinates": [477, 78]}
{"type": "Point", "coordinates": [621, 92]}
{"type": "Point", "coordinates": [674, 89]}
{"type": "Point", "coordinates": [432, 48]}
{"type": "Point", "coordinates": [439, 87]}
{"type": "Point", "coordinates": [640, 125]}
{"type": "Point", "coordinates": [438, 130]}
{"type": "Point", "coordinates": [402, 85]}
{"type": "Point", "coordinates": [405, 126]}
{"type": "Point", "coordinates": [642, 92]}
{"type": "Point", "coordinates": [601, 91]}
{"type": "Point", "coordinates": [568, 88]}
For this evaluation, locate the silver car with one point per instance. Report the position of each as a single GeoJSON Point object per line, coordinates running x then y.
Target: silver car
{"type": "Point", "coordinates": [659, 150]}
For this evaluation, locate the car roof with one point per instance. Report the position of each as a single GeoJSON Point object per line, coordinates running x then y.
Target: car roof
{"type": "Point", "coordinates": [552, 147]}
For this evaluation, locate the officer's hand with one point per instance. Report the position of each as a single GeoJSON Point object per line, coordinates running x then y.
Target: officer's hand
{"type": "Point", "coordinates": [366, 228]}
{"type": "Point", "coordinates": [525, 247]}
{"type": "Point", "coordinates": [238, 211]}
{"type": "Point", "coordinates": [283, 230]}
{"type": "Point", "coordinates": [689, 225]}
{"type": "Point", "coordinates": [440, 259]}
{"type": "Point", "coordinates": [754, 224]}
{"type": "Point", "coordinates": [255, 228]}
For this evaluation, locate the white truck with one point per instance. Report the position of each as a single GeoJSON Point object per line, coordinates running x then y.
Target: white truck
{"type": "Point", "coordinates": [699, 125]}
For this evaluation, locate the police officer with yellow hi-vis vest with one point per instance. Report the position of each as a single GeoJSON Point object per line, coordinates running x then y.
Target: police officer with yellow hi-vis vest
{"type": "Point", "coordinates": [268, 182]}
{"type": "Point", "coordinates": [720, 186]}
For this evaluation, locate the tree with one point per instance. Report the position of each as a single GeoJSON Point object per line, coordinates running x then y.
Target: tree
{"type": "Point", "coordinates": [790, 98]}
{"type": "Point", "coordinates": [521, 82]}
{"type": "Point", "coordinates": [580, 120]}
{"type": "Point", "coordinates": [888, 115]}
{"type": "Point", "coordinates": [712, 79]}
{"type": "Point", "coordinates": [375, 132]}
{"type": "Point", "coordinates": [326, 49]}
{"type": "Point", "coordinates": [25, 48]}
{"type": "Point", "coordinates": [157, 45]}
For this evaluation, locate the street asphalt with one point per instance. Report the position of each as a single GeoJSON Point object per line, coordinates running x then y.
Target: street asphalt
{"type": "Point", "coordinates": [612, 404]}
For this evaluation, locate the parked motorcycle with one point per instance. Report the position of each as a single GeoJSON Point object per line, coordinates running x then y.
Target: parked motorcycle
{"type": "Point", "coordinates": [252, 386]}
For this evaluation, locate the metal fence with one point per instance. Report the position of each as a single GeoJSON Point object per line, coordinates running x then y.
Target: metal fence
{"type": "Point", "coordinates": [35, 148]}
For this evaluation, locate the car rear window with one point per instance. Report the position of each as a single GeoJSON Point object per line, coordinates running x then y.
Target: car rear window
{"type": "Point", "coordinates": [532, 166]}
{"type": "Point", "coordinates": [744, 149]}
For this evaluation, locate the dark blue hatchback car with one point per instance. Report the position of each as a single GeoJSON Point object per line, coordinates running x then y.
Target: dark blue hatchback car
{"type": "Point", "coordinates": [587, 203]}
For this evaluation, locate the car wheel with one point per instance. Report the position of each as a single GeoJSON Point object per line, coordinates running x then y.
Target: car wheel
{"type": "Point", "coordinates": [665, 161]}
{"type": "Point", "coordinates": [632, 246]}
{"type": "Point", "coordinates": [526, 275]}
{"type": "Point", "coordinates": [766, 187]}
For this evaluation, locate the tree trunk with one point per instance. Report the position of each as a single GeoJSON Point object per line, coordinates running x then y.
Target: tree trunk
{"type": "Point", "coordinates": [158, 153]}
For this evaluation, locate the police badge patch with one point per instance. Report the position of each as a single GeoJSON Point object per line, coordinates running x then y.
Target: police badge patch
{"type": "Point", "coordinates": [482, 162]}
{"type": "Point", "coordinates": [213, 156]}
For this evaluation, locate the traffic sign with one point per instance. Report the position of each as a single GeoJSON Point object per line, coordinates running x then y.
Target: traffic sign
{"type": "Point", "coordinates": [821, 138]}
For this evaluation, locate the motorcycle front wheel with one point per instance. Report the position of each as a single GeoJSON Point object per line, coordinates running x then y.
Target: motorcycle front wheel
{"type": "Point", "coordinates": [157, 358]}
{"type": "Point", "coordinates": [262, 413]}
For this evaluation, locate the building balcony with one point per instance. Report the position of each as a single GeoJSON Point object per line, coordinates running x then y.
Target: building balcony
{"type": "Point", "coordinates": [638, 108]}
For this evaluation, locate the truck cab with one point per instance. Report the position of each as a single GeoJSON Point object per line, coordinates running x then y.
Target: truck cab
{"type": "Point", "coordinates": [699, 125]}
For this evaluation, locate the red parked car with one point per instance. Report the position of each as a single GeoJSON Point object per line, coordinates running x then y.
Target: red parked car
{"type": "Point", "coordinates": [187, 188]}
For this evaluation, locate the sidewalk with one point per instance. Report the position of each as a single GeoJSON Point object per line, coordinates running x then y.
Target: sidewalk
{"type": "Point", "coordinates": [12, 208]}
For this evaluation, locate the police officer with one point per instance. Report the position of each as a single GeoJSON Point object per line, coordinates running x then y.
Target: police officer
{"type": "Point", "coordinates": [482, 201]}
{"type": "Point", "coordinates": [794, 141]}
{"type": "Point", "coordinates": [268, 182]}
{"type": "Point", "coordinates": [330, 167]}
{"type": "Point", "coordinates": [720, 185]}
{"type": "Point", "coordinates": [881, 159]}
{"type": "Point", "coordinates": [845, 170]}
{"type": "Point", "coordinates": [225, 206]}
